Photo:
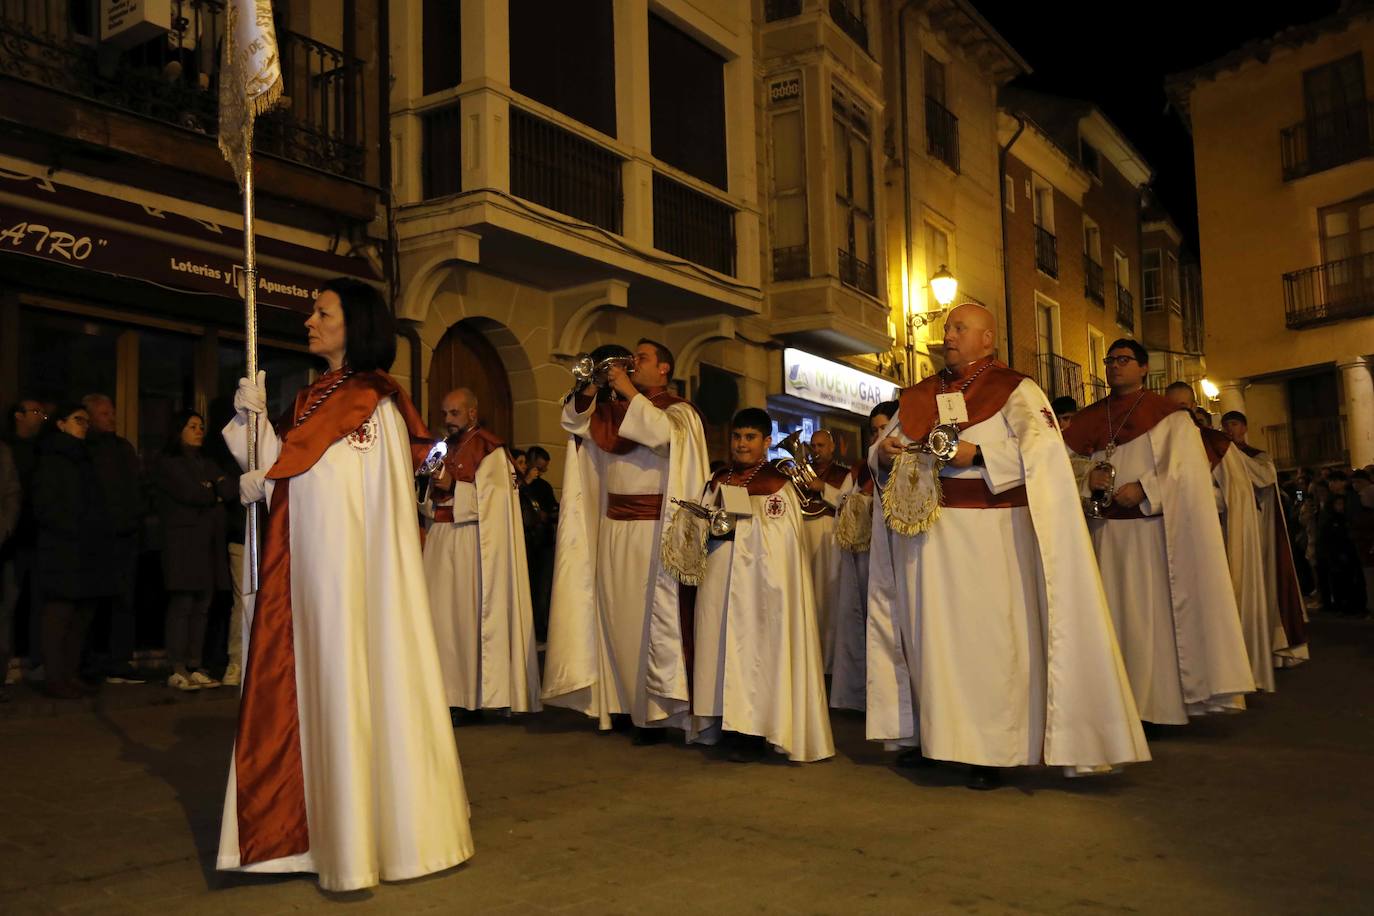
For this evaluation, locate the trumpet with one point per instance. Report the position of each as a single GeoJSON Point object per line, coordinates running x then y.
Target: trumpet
{"type": "Point", "coordinates": [587, 371]}
{"type": "Point", "coordinates": [1097, 502]}
{"type": "Point", "coordinates": [718, 522]}
{"type": "Point", "coordinates": [797, 469]}
{"type": "Point", "coordinates": [432, 464]}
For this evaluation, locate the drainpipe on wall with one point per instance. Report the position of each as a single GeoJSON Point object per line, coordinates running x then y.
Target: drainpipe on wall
{"type": "Point", "coordinates": [907, 326]}
{"type": "Point", "coordinates": [1002, 152]}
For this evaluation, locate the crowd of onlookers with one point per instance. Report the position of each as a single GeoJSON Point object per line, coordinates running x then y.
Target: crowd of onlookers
{"type": "Point", "coordinates": [92, 536]}
{"type": "Point", "coordinates": [1330, 515]}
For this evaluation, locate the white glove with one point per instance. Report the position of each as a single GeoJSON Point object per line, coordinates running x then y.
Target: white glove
{"type": "Point", "coordinates": [252, 398]}
{"type": "Point", "coordinates": [253, 486]}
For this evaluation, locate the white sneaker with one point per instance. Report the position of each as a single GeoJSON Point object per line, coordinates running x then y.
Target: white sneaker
{"type": "Point", "coordinates": [182, 682]}
{"type": "Point", "coordinates": [203, 680]}
{"type": "Point", "coordinates": [232, 676]}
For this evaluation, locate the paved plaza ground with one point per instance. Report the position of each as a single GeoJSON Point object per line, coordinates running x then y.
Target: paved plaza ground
{"type": "Point", "coordinates": [113, 807]}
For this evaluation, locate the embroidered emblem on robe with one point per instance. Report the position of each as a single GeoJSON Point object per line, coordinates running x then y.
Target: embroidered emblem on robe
{"type": "Point", "coordinates": [773, 507]}
{"type": "Point", "coordinates": [364, 438]}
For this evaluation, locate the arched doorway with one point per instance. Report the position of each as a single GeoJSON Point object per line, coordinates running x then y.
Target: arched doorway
{"type": "Point", "coordinates": [465, 358]}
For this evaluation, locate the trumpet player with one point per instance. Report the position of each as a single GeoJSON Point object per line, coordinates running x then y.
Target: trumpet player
{"type": "Point", "coordinates": [618, 644]}
{"type": "Point", "coordinates": [818, 533]}
{"type": "Point", "coordinates": [990, 642]}
{"type": "Point", "coordinates": [474, 559]}
{"type": "Point", "coordinates": [1160, 548]}
{"type": "Point", "coordinates": [758, 676]}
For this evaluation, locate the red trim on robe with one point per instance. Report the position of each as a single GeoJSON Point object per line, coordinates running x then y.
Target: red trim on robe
{"type": "Point", "coordinates": [270, 781]}
{"type": "Point", "coordinates": [1088, 433]}
{"type": "Point", "coordinates": [1292, 614]}
{"type": "Point", "coordinates": [462, 463]}
{"type": "Point", "coordinates": [1215, 442]}
{"type": "Point", "coordinates": [916, 406]}
{"type": "Point", "coordinates": [766, 482]}
{"type": "Point", "coordinates": [863, 478]}
{"type": "Point", "coordinates": [974, 493]}
{"type": "Point", "coordinates": [609, 414]}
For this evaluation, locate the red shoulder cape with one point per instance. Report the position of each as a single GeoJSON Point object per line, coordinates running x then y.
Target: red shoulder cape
{"type": "Point", "coordinates": [1088, 432]}
{"type": "Point", "coordinates": [985, 397]}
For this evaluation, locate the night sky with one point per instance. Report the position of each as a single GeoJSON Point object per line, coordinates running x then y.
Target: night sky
{"type": "Point", "coordinates": [1118, 56]}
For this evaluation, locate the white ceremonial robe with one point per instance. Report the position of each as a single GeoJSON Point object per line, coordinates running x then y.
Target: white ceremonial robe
{"type": "Point", "coordinates": [848, 668]}
{"type": "Point", "coordinates": [758, 667]}
{"type": "Point", "coordinates": [823, 560]}
{"type": "Point", "coordinates": [989, 638]}
{"type": "Point", "coordinates": [615, 638]}
{"type": "Point", "coordinates": [1244, 558]}
{"type": "Point", "coordinates": [384, 794]}
{"type": "Point", "coordinates": [1264, 476]}
{"type": "Point", "coordinates": [1167, 582]}
{"type": "Point", "coordinates": [479, 593]}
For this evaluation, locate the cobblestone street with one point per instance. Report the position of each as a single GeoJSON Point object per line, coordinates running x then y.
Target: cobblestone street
{"type": "Point", "coordinates": [114, 808]}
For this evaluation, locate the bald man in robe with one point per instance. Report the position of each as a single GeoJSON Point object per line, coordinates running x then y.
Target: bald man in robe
{"type": "Point", "coordinates": [993, 610]}
{"type": "Point", "coordinates": [818, 536]}
{"type": "Point", "coordinates": [1160, 549]}
{"type": "Point", "coordinates": [474, 560]}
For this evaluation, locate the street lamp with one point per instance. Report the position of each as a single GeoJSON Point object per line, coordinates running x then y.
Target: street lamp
{"type": "Point", "coordinates": [944, 286]}
{"type": "Point", "coordinates": [1210, 389]}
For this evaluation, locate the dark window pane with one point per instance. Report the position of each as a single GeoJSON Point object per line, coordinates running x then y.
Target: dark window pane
{"type": "Point", "coordinates": [563, 55]}
{"type": "Point", "coordinates": [443, 34]}
{"type": "Point", "coordinates": [686, 103]}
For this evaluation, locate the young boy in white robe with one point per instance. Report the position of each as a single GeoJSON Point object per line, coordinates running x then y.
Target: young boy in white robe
{"type": "Point", "coordinates": [758, 671]}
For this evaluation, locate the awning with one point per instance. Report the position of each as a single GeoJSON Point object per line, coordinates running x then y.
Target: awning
{"type": "Point", "coordinates": [40, 218]}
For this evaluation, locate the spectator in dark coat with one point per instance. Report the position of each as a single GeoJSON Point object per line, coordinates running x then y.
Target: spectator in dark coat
{"type": "Point", "coordinates": [75, 543]}
{"type": "Point", "coordinates": [11, 501]}
{"type": "Point", "coordinates": [191, 491]}
{"type": "Point", "coordinates": [540, 536]}
{"type": "Point", "coordinates": [117, 466]}
{"type": "Point", "coordinates": [17, 554]}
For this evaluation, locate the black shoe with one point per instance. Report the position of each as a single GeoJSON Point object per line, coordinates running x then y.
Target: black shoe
{"type": "Point", "coordinates": [982, 779]}
{"type": "Point", "coordinates": [460, 716]}
{"type": "Point", "coordinates": [1153, 732]}
{"type": "Point", "coordinates": [645, 737]}
{"type": "Point", "coordinates": [621, 722]}
{"type": "Point", "coordinates": [747, 749]}
{"type": "Point", "coordinates": [913, 759]}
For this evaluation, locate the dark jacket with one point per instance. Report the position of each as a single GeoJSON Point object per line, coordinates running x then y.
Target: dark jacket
{"type": "Point", "coordinates": [190, 491]}
{"type": "Point", "coordinates": [116, 464]}
{"type": "Point", "coordinates": [11, 495]}
{"type": "Point", "coordinates": [75, 530]}
{"type": "Point", "coordinates": [25, 455]}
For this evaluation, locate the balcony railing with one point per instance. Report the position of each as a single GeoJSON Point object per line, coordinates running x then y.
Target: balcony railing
{"type": "Point", "coordinates": [1193, 328]}
{"type": "Point", "coordinates": [1334, 291]}
{"type": "Point", "coordinates": [1326, 141]}
{"type": "Point", "coordinates": [1046, 251]}
{"type": "Point", "coordinates": [1095, 390]}
{"type": "Point", "coordinates": [774, 10]}
{"type": "Point", "coordinates": [1060, 377]}
{"type": "Point", "coordinates": [850, 24]}
{"type": "Point", "coordinates": [1308, 442]}
{"type": "Point", "coordinates": [942, 134]}
{"type": "Point", "coordinates": [441, 151]}
{"type": "Point", "coordinates": [1125, 308]}
{"type": "Point", "coordinates": [556, 168]}
{"type": "Point", "coordinates": [793, 263]}
{"type": "Point", "coordinates": [1094, 286]}
{"type": "Point", "coordinates": [857, 274]}
{"type": "Point", "coordinates": [694, 226]}
{"type": "Point", "coordinates": [174, 78]}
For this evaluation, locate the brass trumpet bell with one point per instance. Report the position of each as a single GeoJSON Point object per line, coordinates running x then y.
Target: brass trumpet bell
{"type": "Point", "coordinates": [797, 469]}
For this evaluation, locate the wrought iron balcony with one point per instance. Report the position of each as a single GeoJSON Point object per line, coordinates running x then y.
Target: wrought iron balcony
{"type": "Point", "coordinates": [1046, 251]}
{"type": "Point", "coordinates": [1094, 286]}
{"type": "Point", "coordinates": [1060, 377]}
{"type": "Point", "coordinates": [942, 134]}
{"type": "Point", "coordinates": [174, 79]}
{"type": "Point", "coordinates": [558, 169]}
{"type": "Point", "coordinates": [1334, 291]}
{"type": "Point", "coordinates": [1094, 391]}
{"type": "Point", "coordinates": [1326, 141]}
{"type": "Point", "coordinates": [1193, 328]}
{"type": "Point", "coordinates": [793, 263]}
{"type": "Point", "coordinates": [774, 10]}
{"type": "Point", "coordinates": [857, 274]}
{"type": "Point", "coordinates": [850, 24]}
{"type": "Point", "coordinates": [1125, 308]}
{"type": "Point", "coordinates": [692, 225]}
